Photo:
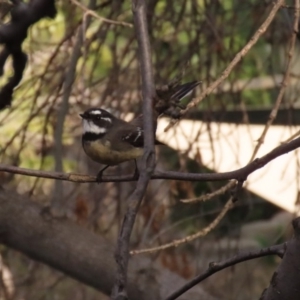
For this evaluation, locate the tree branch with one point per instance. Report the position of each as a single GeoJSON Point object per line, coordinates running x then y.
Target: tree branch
{"type": "Point", "coordinates": [69, 79]}
{"type": "Point", "coordinates": [91, 12]}
{"type": "Point", "coordinates": [59, 243]}
{"type": "Point", "coordinates": [285, 280]}
{"type": "Point", "coordinates": [239, 174]}
{"type": "Point", "coordinates": [238, 57]}
{"type": "Point", "coordinates": [216, 267]}
{"type": "Point", "coordinates": [148, 161]}
{"type": "Point", "coordinates": [284, 83]}
{"type": "Point", "coordinates": [76, 251]}
{"type": "Point", "coordinates": [201, 233]}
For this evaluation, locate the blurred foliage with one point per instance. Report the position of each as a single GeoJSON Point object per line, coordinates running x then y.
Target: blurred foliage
{"type": "Point", "coordinates": [207, 34]}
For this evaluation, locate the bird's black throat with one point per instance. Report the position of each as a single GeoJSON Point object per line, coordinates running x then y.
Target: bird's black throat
{"type": "Point", "coordinates": [91, 136]}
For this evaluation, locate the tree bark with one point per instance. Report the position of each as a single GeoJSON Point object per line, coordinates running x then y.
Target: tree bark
{"type": "Point", "coordinates": [78, 252]}
{"type": "Point", "coordinates": [60, 244]}
{"type": "Point", "coordinates": [285, 281]}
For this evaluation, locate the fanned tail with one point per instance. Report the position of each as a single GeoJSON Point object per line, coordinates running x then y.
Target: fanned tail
{"type": "Point", "coordinates": [184, 90]}
{"type": "Point", "coordinates": [169, 97]}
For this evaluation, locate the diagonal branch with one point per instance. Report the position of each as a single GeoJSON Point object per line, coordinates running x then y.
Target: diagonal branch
{"type": "Point", "coordinates": [238, 57]}
{"type": "Point", "coordinates": [213, 194]}
{"type": "Point", "coordinates": [201, 233]}
{"type": "Point", "coordinates": [216, 267]}
{"type": "Point", "coordinates": [91, 12]}
{"type": "Point", "coordinates": [284, 83]}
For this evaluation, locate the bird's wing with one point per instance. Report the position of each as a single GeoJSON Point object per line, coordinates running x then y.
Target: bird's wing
{"type": "Point", "coordinates": [136, 137]}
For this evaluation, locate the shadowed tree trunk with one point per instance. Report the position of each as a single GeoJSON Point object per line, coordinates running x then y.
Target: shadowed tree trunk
{"type": "Point", "coordinates": [285, 281]}
{"type": "Point", "coordinates": [78, 252]}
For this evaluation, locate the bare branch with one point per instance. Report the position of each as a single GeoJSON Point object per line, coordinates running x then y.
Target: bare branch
{"type": "Point", "coordinates": [95, 15]}
{"type": "Point", "coordinates": [239, 174]}
{"type": "Point", "coordinates": [261, 30]}
{"type": "Point", "coordinates": [69, 79]}
{"type": "Point", "coordinates": [216, 267]}
{"type": "Point", "coordinates": [284, 84]}
{"type": "Point", "coordinates": [148, 160]}
{"type": "Point", "coordinates": [209, 196]}
{"type": "Point", "coordinates": [203, 232]}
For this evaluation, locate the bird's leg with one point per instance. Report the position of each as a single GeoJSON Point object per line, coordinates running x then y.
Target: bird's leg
{"type": "Point", "coordinates": [100, 173]}
{"type": "Point", "coordinates": [136, 171]}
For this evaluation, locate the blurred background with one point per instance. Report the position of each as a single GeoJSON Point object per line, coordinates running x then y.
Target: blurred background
{"type": "Point", "coordinates": [88, 57]}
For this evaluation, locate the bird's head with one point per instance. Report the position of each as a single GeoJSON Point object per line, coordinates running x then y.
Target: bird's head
{"type": "Point", "coordinates": [96, 120]}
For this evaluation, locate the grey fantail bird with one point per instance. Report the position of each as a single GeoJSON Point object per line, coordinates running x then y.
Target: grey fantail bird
{"type": "Point", "coordinates": [110, 141]}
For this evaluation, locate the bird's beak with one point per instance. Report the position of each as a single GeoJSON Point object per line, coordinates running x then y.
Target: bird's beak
{"type": "Point", "coordinates": [82, 116]}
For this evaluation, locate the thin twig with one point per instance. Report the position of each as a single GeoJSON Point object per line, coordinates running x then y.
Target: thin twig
{"type": "Point", "coordinates": [63, 110]}
{"type": "Point", "coordinates": [216, 267]}
{"type": "Point", "coordinates": [139, 8]}
{"type": "Point", "coordinates": [284, 84]}
{"type": "Point", "coordinates": [95, 15]}
{"type": "Point", "coordinates": [235, 61]}
{"type": "Point", "coordinates": [272, 114]}
{"type": "Point", "coordinates": [209, 196]}
{"type": "Point", "coordinates": [296, 134]}
{"type": "Point", "coordinates": [203, 232]}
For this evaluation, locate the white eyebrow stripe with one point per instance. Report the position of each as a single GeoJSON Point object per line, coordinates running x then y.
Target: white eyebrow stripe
{"type": "Point", "coordinates": [95, 112]}
{"type": "Point", "coordinates": [92, 128]}
{"type": "Point", "coordinates": [106, 119]}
